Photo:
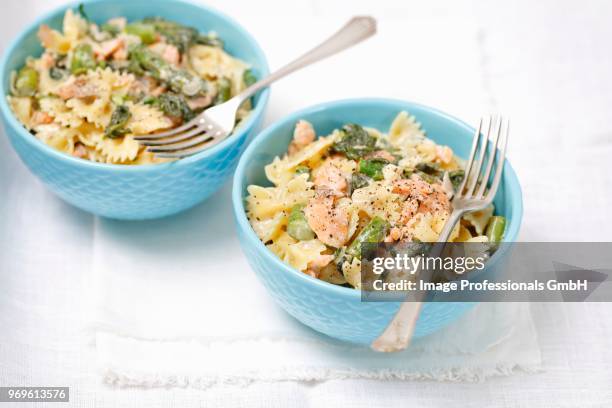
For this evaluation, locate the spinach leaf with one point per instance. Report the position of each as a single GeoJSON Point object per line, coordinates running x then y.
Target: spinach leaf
{"type": "Point", "coordinates": [171, 104]}
{"type": "Point", "coordinates": [57, 73]}
{"type": "Point", "coordinates": [340, 256]}
{"type": "Point", "coordinates": [428, 177]}
{"type": "Point", "coordinates": [430, 172]}
{"type": "Point", "coordinates": [456, 177]}
{"type": "Point", "coordinates": [82, 12]}
{"type": "Point", "coordinates": [359, 180]}
{"type": "Point", "coordinates": [210, 40]}
{"type": "Point", "coordinates": [430, 168]}
{"type": "Point", "coordinates": [147, 60]}
{"type": "Point", "coordinates": [118, 122]}
{"type": "Point", "coordinates": [174, 105]}
{"type": "Point", "coordinates": [355, 142]}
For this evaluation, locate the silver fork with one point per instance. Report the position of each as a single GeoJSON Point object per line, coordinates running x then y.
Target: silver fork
{"type": "Point", "coordinates": [471, 195]}
{"type": "Point", "coordinates": [216, 123]}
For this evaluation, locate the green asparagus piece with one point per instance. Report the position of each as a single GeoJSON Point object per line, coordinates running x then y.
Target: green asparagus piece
{"type": "Point", "coordinates": [146, 32]}
{"type": "Point", "coordinates": [82, 59]}
{"type": "Point", "coordinates": [495, 228]}
{"type": "Point", "coordinates": [176, 34]}
{"type": "Point", "coordinates": [297, 225]}
{"type": "Point", "coordinates": [183, 37]}
{"type": "Point", "coordinates": [178, 80]}
{"type": "Point", "coordinates": [26, 82]}
{"type": "Point", "coordinates": [148, 61]}
{"type": "Point", "coordinates": [224, 91]}
{"type": "Point", "coordinates": [373, 168]}
{"type": "Point", "coordinates": [248, 77]}
{"type": "Point", "coordinates": [375, 231]}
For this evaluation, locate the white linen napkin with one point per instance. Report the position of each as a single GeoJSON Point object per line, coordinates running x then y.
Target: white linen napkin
{"type": "Point", "coordinates": [177, 304]}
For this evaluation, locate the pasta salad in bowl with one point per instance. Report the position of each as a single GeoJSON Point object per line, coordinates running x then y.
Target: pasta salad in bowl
{"type": "Point", "coordinates": [347, 172]}
{"type": "Point", "coordinates": [96, 86]}
{"type": "Point", "coordinates": [357, 185]}
{"type": "Point", "coordinates": [83, 81]}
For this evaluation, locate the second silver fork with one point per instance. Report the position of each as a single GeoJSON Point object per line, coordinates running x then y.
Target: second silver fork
{"type": "Point", "coordinates": [216, 123]}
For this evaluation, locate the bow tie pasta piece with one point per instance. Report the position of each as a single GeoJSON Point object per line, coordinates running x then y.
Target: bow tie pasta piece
{"type": "Point", "coordinates": [60, 112]}
{"type": "Point", "coordinates": [299, 254]}
{"type": "Point", "coordinates": [22, 107]}
{"type": "Point", "coordinates": [119, 150]}
{"type": "Point", "coordinates": [62, 139]}
{"type": "Point", "coordinates": [147, 119]}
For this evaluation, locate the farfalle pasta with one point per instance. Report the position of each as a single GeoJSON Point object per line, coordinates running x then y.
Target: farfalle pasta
{"type": "Point", "coordinates": [358, 184]}
{"type": "Point", "coordinates": [96, 86]}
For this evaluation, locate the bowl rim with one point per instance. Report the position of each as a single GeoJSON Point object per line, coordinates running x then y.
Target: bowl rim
{"type": "Point", "coordinates": [11, 121]}
{"type": "Point", "coordinates": [245, 227]}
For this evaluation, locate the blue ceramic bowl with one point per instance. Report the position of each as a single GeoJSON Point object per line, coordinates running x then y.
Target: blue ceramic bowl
{"type": "Point", "coordinates": [135, 192]}
{"type": "Point", "coordinates": [334, 310]}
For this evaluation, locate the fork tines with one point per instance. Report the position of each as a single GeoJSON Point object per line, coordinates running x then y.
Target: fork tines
{"type": "Point", "coordinates": [184, 140]}
{"type": "Point", "coordinates": [488, 149]}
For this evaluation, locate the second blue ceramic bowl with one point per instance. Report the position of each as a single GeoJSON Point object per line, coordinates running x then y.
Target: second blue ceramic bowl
{"type": "Point", "coordinates": [334, 310]}
{"type": "Point", "coordinates": [135, 192]}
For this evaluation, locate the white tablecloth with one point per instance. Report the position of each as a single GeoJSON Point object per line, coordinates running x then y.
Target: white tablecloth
{"type": "Point", "coordinates": [545, 64]}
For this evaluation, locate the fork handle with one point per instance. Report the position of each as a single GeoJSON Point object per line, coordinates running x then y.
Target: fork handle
{"type": "Point", "coordinates": [399, 331]}
{"type": "Point", "coordinates": [356, 30]}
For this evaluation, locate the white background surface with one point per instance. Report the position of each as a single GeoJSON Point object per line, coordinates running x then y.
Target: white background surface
{"type": "Point", "coordinates": [547, 65]}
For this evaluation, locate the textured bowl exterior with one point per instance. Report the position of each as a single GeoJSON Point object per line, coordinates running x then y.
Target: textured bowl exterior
{"type": "Point", "coordinates": [156, 192]}
{"type": "Point", "coordinates": [341, 317]}
{"type": "Point", "coordinates": [333, 310]}
{"type": "Point", "coordinates": [136, 192]}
